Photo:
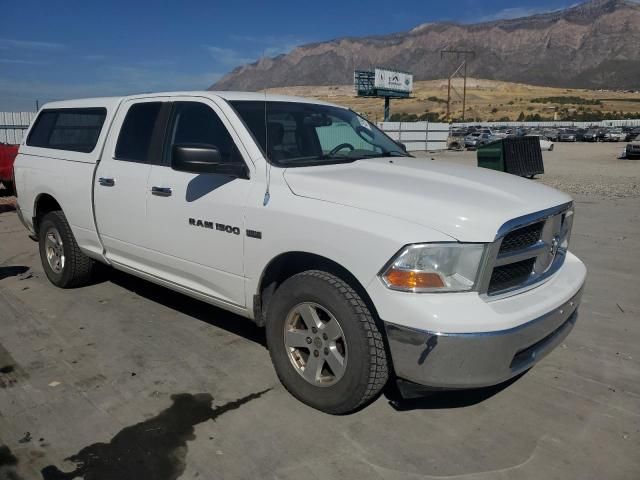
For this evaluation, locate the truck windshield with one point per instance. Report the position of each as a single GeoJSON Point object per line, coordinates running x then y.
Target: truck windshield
{"type": "Point", "coordinates": [302, 134]}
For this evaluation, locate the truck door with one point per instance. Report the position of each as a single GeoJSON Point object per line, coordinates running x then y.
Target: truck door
{"type": "Point", "coordinates": [196, 221]}
{"type": "Point", "coordinates": [120, 190]}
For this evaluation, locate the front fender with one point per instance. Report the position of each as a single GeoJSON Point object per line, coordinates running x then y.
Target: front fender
{"type": "Point", "coordinates": [360, 241]}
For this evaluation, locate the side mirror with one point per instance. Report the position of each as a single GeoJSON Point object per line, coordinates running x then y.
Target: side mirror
{"type": "Point", "coordinates": [202, 158]}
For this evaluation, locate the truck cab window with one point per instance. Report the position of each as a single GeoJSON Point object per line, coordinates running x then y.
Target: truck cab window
{"type": "Point", "coordinates": [196, 123]}
{"type": "Point", "coordinates": [137, 130]}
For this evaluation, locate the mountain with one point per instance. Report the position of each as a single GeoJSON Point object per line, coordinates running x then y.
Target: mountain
{"type": "Point", "coordinates": [591, 45]}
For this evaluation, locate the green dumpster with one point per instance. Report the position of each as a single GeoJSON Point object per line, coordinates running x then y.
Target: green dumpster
{"type": "Point", "coordinates": [491, 156]}
{"type": "Point", "coordinates": [517, 155]}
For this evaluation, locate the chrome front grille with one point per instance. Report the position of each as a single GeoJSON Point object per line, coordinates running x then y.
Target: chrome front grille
{"type": "Point", "coordinates": [510, 275]}
{"type": "Point", "coordinates": [521, 238]}
{"type": "Point", "coordinates": [526, 251]}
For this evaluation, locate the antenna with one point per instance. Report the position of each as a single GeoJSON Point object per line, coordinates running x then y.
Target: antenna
{"type": "Point", "coordinates": [267, 166]}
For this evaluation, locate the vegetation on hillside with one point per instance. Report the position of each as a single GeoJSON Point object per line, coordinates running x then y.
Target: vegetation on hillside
{"type": "Point", "coordinates": [564, 100]}
{"type": "Point", "coordinates": [412, 117]}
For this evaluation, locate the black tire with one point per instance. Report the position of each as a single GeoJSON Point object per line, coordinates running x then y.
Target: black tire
{"type": "Point", "coordinates": [551, 148]}
{"type": "Point", "coordinates": [365, 373]}
{"type": "Point", "coordinates": [75, 270]}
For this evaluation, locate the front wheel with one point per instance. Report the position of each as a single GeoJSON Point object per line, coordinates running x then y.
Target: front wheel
{"type": "Point", "coordinates": [324, 343]}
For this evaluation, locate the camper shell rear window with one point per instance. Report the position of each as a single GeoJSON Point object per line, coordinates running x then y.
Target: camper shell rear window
{"type": "Point", "coordinates": [73, 129]}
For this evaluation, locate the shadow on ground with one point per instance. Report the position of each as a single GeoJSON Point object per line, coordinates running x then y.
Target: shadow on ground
{"type": "Point", "coordinates": [181, 303]}
{"type": "Point", "coordinates": [419, 398]}
{"type": "Point", "coordinates": [8, 463]}
{"type": "Point", "coordinates": [154, 449]}
{"type": "Point", "coordinates": [423, 398]}
{"type": "Point", "coordinates": [12, 271]}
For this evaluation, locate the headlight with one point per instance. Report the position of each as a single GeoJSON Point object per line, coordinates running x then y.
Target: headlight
{"type": "Point", "coordinates": [437, 267]}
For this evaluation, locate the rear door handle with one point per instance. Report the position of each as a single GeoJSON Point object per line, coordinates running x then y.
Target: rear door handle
{"type": "Point", "coordinates": [161, 191]}
{"type": "Point", "coordinates": [106, 182]}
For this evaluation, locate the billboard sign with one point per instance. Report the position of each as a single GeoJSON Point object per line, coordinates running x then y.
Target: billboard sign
{"type": "Point", "coordinates": [393, 81]}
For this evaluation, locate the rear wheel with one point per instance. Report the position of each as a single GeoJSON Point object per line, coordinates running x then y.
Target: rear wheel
{"type": "Point", "coordinates": [324, 343]}
{"type": "Point", "coordinates": [63, 262]}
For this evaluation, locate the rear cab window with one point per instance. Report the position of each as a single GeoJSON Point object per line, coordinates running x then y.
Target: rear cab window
{"type": "Point", "coordinates": [137, 131]}
{"type": "Point", "coordinates": [72, 129]}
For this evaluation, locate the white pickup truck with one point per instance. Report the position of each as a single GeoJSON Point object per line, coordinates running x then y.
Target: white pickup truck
{"type": "Point", "coordinates": [361, 262]}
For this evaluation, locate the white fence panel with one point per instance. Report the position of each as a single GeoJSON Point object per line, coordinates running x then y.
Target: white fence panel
{"type": "Point", "coordinates": [395, 135]}
{"type": "Point", "coordinates": [604, 123]}
{"type": "Point", "coordinates": [418, 136]}
{"type": "Point", "coordinates": [13, 126]}
{"type": "Point", "coordinates": [412, 136]}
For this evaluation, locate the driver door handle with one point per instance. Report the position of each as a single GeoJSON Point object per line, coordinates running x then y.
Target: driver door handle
{"type": "Point", "coordinates": [106, 182]}
{"type": "Point", "coordinates": [161, 191]}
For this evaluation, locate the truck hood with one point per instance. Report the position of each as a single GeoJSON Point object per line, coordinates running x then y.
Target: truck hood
{"type": "Point", "coordinates": [464, 202]}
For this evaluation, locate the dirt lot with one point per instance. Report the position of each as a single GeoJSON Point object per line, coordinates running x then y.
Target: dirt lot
{"type": "Point", "coordinates": [126, 380]}
{"type": "Point", "coordinates": [489, 100]}
{"type": "Point", "coordinates": [588, 169]}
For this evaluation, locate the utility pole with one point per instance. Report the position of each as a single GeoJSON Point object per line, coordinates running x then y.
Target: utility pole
{"type": "Point", "coordinates": [463, 55]}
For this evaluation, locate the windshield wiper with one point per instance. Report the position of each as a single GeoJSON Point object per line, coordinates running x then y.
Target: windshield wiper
{"type": "Point", "coordinates": [388, 153]}
{"type": "Point", "coordinates": [313, 161]}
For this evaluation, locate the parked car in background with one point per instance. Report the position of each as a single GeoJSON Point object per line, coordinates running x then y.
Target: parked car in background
{"type": "Point", "coordinates": [590, 135]}
{"type": "Point", "coordinates": [552, 134]}
{"type": "Point", "coordinates": [7, 156]}
{"type": "Point", "coordinates": [601, 133]}
{"type": "Point", "coordinates": [477, 139]}
{"type": "Point", "coordinates": [614, 135]}
{"type": "Point", "coordinates": [567, 136]}
{"type": "Point", "coordinates": [631, 133]}
{"type": "Point", "coordinates": [545, 143]}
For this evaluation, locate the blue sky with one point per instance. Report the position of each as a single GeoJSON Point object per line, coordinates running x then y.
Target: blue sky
{"type": "Point", "coordinates": [68, 49]}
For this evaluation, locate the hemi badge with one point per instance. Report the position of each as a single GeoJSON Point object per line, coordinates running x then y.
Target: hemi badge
{"type": "Point", "coordinates": [254, 234]}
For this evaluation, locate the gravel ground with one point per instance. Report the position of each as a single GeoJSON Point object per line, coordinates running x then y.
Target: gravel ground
{"type": "Point", "coordinates": [579, 169]}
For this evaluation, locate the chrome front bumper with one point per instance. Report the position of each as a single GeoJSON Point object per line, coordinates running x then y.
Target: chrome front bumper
{"type": "Point", "coordinates": [470, 360]}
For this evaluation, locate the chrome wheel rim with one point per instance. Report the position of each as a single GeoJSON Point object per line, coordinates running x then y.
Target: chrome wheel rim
{"type": "Point", "coordinates": [54, 250]}
{"type": "Point", "coordinates": [315, 344]}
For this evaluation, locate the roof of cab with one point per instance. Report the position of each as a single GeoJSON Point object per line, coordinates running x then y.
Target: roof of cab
{"type": "Point", "coordinates": [110, 102]}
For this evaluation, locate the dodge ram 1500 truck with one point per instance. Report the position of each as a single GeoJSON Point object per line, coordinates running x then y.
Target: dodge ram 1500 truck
{"type": "Point", "coordinates": [361, 261]}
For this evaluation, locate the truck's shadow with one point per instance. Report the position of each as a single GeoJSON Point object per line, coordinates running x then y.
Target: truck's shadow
{"type": "Point", "coordinates": [425, 400]}
{"type": "Point", "coordinates": [444, 399]}
{"type": "Point", "coordinates": [184, 304]}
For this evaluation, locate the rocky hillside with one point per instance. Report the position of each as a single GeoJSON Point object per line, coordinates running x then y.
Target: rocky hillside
{"type": "Point", "coordinates": [592, 45]}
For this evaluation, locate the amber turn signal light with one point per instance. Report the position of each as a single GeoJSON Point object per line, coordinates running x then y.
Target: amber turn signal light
{"type": "Point", "coordinates": [410, 279]}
